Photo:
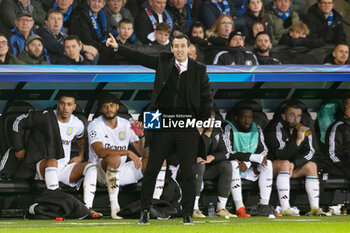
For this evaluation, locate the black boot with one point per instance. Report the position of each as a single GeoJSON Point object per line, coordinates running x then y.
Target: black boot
{"type": "Point", "coordinates": [188, 220]}
{"type": "Point", "coordinates": [144, 217]}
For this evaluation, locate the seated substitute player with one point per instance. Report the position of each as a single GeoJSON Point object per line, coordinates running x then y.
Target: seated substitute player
{"type": "Point", "coordinates": [293, 156]}
{"type": "Point", "coordinates": [109, 138]}
{"type": "Point", "coordinates": [58, 166]}
{"type": "Point", "coordinates": [338, 140]}
{"type": "Point", "coordinates": [247, 151]}
{"type": "Point", "coordinates": [214, 166]}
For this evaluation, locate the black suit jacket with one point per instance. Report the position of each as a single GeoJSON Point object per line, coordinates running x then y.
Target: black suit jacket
{"type": "Point", "coordinates": [199, 99]}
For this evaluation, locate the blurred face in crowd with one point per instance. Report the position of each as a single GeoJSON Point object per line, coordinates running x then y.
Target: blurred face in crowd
{"type": "Point", "coordinates": [326, 6]}
{"type": "Point", "coordinates": [35, 48]}
{"type": "Point", "coordinates": [65, 107]}
{"type": "Point", "coordinates": [179, 48]}
{"type": "Point", "coordinates": [295, 34]}
{"type": "Point", "coordinates": [54, 22]}
{"type": "Point", "coordinates": [257, 27]}
{"type": "Point", "coordinates": [158, 5]}
{"type": "Point", "coordinates": [282, 5]}
{"type": "Point", "coordinates": [198, 32]}
{"type": "Point", "coordinates": [179, 4]}
{"type": "Point", "coordinates": [115, 5]}
{"type": "Point", "coordinates": [341, 54]}
{"type": "Point", "coordinates": [125, 30]}
{"type": "Point", "coordinates": [236, 41]}
{"type": "Point", "coordinates": [225, 27]}
{"type": "Point", "coordinates": [192, 52]}
{"type": "Point", "coordinates": [96, 5]}
{"type": "Point", "coordinates": [245, 119]}
{"type": "Point", "coordinates": [109, 110]}
{"type": "Point", "coordinates": [255, 6]}
{"type": "Point", "coordinates": [292, 115]}
{"type": "Point", "coordinates": [161, 36]}
{"type": "Point", "coordinates": [24, 24]}
{"type": "Point", "coordinates": [64, 4]}
{"type": "Point", "coordinates": [263, 43]}
{"type": "Point", "coordinates": [4, 47]}
{"type": "Point", "coordinates": [347, 107]}
{"type": "Point", "coordinates": [72, 48]}
{"type": "Point", "coordinates": [24, 2]}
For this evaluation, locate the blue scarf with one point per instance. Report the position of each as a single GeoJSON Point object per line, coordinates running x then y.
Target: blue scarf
{"type": "Point", "coordinates": [100, 32]}
{"type": "Point", "coordinates": [189, 16]}
{"type": "Point", "coordinates": [330, 18]}
{"type": "Point", "coordinates": [241, 9]}
{"type": "Point", "coordinates": [226, 10]}
{"type": "Point", "coordinates": [284, 16]}
{"type": "Point", "coordinates": [189, 3]}
{"type": "Point", "coordinates": [17, 41]}
{"type": "Point", "coordinates": [67, 14]}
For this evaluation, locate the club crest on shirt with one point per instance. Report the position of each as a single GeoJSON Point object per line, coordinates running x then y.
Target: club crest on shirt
{"type": "Point", "coordinates": [122, 135]}
{"type": "Point", "coordinates": [69, 130]}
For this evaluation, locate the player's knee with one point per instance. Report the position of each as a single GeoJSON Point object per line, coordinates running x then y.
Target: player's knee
{"type": "Point", "coordinates": [51, 163]}
{"type": "Point", "coordinates": [90, 168]}
{"type": "Point", "coordinates": [113, 161]}
{"type": "Point", "coordinates": [311, 167]}
{"type": "Point", "coordinates": [283, 165]}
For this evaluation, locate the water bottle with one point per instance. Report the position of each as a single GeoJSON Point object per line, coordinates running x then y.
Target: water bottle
{"type": "Point", "coordinates": [211, 210]}
{"type": "Point", "coordinates": [297, 127]}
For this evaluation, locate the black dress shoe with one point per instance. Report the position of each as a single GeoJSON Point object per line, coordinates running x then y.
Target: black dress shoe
{"type": "Point", "coordinates": [188, 220]}
{"type": "Point", "coordinates": [144, 217]}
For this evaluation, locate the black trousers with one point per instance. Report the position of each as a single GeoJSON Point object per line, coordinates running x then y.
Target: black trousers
{"type": "Point", "coordinates": [185, 143]}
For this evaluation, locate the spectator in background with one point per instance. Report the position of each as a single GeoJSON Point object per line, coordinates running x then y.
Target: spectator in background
{"type": "Point", "coordinates": [73, 48]}
{"type": "Point", "coordinates": [254, 12]}
{"type": "Point", "coordinates": [148, 18]}
{"type": "Point", "coordinates": [281, 17]}
{"type": "Point", "coordinates": [24, 28]}
{"type": "Point", "coordinates": [115, 11]}
{"type": "Point", "coordinates": [325, 22]}
{"type": "Point", "coordinates": [62, 4]}
{"type": "Point", "coordinates": [160, 37]}
{"type": "Point", "coordinates": [33, 52]}
{"type": "Point", "coordinates": [262, 49]}
{"type": "Point", "coordinates": [198, 38]}
{"type": "Point", "coordinates": [218, 35]}
{"type": "Point", "coordinates": [234, 53]}
{"type": "Point", "coordinates": [211, 10]}
{"type": "Point", "coordinates": [192, 51]}
{"type": "Point", "coordinates": [67, 9]}
{"type": "Point", "coordinates": [9, 9]}
{"type": "Point", "coordinates": [298, 35]}
{"type": "Point", "coordinates": [181, 14]}
{"type": "Point", "coordinates": [52, 35]}
{"type": "Point", "coordinates": [339, 56]}
{"type": "Point", "coordinates": [5, 56]}
{"type": "Point", "coordinates": [92, 25]}
{"type": "Point", "coordinates": [256, 28]}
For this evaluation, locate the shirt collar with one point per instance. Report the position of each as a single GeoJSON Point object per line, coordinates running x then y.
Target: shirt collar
{"type": "Point", "coordinates": [183, 65]}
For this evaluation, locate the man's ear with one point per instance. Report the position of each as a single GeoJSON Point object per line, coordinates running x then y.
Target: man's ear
{"type": "Point", "coordinates": [283, 116]}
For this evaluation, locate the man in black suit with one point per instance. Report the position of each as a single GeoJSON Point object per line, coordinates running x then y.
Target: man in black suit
{"type": "Point", "coordinates": [181, 86]}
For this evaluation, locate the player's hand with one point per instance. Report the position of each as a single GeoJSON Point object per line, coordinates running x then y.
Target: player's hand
{"type": "Point", "coordinates": [210, 159]}
{"type": "Point", "coordinates": [139, 125]}
{"type": "Point", "coordinates": [20, 154]}
{"type": "Point", "coordinates": [200, 160]}
{"type": "Point", "coordinates": [135, 159]}
{"type": "Point", "coordinates": [291, 169]}
{"type": "Point", "coordinates": [301, 134]}
{"type": "Point", "coordinates": [76, 159]}
{"type": "Point", "coordinates": [264, 162]}
{"type": "Point", "coordinates": [111, 42]}
{"type": "Point", "coordinates": [242, 166]}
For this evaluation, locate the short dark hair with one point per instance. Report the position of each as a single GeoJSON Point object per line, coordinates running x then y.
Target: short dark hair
{"type": "Point", "coordinates": [180, 36]}
{"type": "Point", "coordinates": [72, 37]}
{"type": "Point", "coordinates": [291, 104]}
{"type": "Point", "coordinates": [346, 96]}
{"type": "Point", "coordinates": [124, 20]}
{"type": "Point", "coordinates": [164, 27]}
{"type": "Point", "coordinates": [107, 98]}
{"type": "Point", "coordinates": [67, 93]}
{"type": "Point", "coordinates": [4, 35]}
{"type": "Point", "coordinates": [341, 43]}
{"type": "Point", "coordinates": [262, 33]}
{"type": "Point", "coordinates": [54, 11]}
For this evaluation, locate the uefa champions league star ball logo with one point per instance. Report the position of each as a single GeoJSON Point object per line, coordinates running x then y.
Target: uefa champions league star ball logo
{"type": "Point", "coordinates": [93, 134]}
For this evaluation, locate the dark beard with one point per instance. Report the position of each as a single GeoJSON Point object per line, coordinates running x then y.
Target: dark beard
{"type": "Point", "coordinates": [260, 50]}
{"type": "Point", "coordinates": [109, 118]}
